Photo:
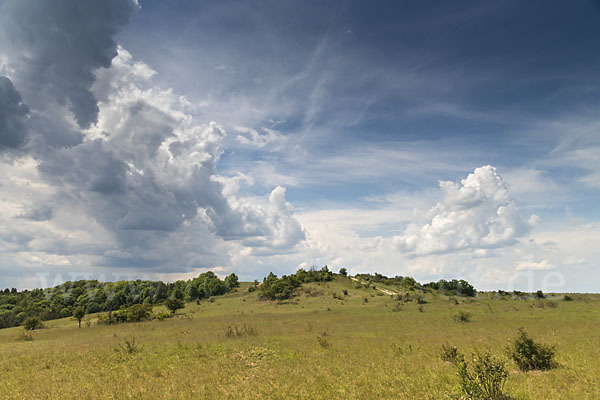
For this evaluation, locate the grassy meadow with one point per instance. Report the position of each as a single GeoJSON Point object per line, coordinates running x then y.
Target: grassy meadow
{"type": "Point", "coordinates": [322, 344]}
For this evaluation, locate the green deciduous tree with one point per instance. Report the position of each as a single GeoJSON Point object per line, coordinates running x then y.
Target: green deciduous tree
{"type": "Point", "coordinates": [174, 304]}
{"type": "Point", "coordinates": [79, 313]}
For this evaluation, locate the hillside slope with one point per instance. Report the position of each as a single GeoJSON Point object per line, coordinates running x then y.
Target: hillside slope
{"type": "Point", "coordinates": [320, 344]}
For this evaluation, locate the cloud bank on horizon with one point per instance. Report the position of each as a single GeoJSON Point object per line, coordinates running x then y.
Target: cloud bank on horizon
{"type": "Point", "coordinates": [135, 147]}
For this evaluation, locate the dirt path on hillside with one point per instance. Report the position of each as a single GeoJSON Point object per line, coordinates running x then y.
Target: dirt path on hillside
{"type": "Point", "coordinates": [388, 292]}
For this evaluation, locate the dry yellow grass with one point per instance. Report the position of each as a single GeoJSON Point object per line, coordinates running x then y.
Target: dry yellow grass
{"type": "Point", "coordinates": [312, 347]}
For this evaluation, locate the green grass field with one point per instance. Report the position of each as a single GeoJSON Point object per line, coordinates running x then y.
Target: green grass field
{"type": "Point", "coordinates": [315, 346]}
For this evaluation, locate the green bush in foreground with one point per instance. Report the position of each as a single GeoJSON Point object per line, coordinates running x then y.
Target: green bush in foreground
{"type": "Point", "coordinates": [530, 355]}
{"type": "Point", "coordinates": [484, 380]}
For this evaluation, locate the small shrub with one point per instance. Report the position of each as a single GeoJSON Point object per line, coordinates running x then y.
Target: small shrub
{"type": "Point", "coordinates": [139, 312]}
{"type": "Point", "coordinates": [120, 316]}
{"type": "Point", "coordinates": [484, 380]}
{"type": "Point", "coordinates": [365, 300]}
{"type": "Point", "coordinates": [539, 294]}
{"type": "Point", "coordinates": [323, 342]}
{"type": "Point", "coordinates": [32, 323]}
{"type": "Point", "coordinates": [545, 303]}
{"type": "Point", "coordinates": [162, 315]}
{"type": "Point", "coordinates": [451, 354]}
{"type": "Point", "coordinates": [529, 355]}
{"type": "Point", "coordinates": [345, 292]}
{"type": "Point", "coordinates": [128, 347]}
{"type": "Point", "coordinates": [420, 308]}
{"type": "Point", "coordinates": [567, 298]}
{"type": "Point", "coordinates": [462, 316]}
{"type": "Point", "coordinates": [421, 300]}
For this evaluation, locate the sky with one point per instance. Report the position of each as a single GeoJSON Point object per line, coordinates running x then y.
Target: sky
{"type": "Point", "coordinates": [432, 139]}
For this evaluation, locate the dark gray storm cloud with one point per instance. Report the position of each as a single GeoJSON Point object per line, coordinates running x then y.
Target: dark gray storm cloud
{"type": "Point", "coordinates": [57, 45]}
{"type": "Point", "coordinates": [118, 171]}
{"type": "Point", "coordinates": [89, 166]}
{"type": "Point", "coordinates": [12, 113]}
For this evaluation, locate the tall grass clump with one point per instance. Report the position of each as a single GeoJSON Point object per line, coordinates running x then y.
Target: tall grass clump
{"type": "Point", "coordinates": [236, 332]}
{"type": "Point", "coordinates": [24, 336]}
{"type": "Point", "coordinates": [128, 347]}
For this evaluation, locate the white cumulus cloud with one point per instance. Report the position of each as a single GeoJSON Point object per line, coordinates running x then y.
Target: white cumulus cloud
{"type": "Point", "coordinates": [476, 213]}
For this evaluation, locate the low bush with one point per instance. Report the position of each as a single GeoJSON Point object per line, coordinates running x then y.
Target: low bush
{"type": "Point", "coordinates": [462, 316]}
{"type": "Point", "coordinates": [139, 312]}
{"type": "Point", "coordinates": [545, 304]}
{"type": "Point", "coordinates": [529, 355]}
{"type": "Point", "coordinates": [484, 379]}
{"type": "Point", "coordinates": [451, 354]}
{"type": "Point", "coordinates": [162, 315]}
{"type": "Point", "coordinates": [128, 347]}
{"type": "Point", "coordinates": [323, 342]}
{"type": "Point", "coordinates": [119, 316]}
{"type": "Point", "coordinates": [32, 323]}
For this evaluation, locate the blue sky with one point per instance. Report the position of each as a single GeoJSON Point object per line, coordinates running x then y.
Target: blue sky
{"type": "Point", "coordinates": [432, 139]}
